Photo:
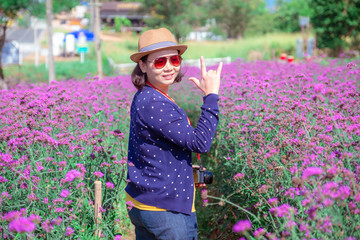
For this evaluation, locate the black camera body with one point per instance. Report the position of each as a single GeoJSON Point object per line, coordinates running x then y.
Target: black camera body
{"type": "Point", "coordinates": [203, 176]}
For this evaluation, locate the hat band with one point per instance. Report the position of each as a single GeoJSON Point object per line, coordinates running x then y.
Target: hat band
{"type": "Point", "coordinates": [157, 45]}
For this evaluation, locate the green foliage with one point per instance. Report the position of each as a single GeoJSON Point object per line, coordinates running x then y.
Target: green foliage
{"type": "Point", "coordinates": [288, 12]}
{"type": "Point", "coordinates": [280, 42]}
{"type": "Point", "coordinates": [121, 22]}
{"type": "Point", "coordinates": [260, 24]}
{"type": "Point", "coordinates": [10, 8]}
{"type": "Point", "coordinates": [178, 16]}
{"type": "Point", "coordinates": [24, 21]}
{"type": "Point", "coordinates": [334, 21]}
{"type": "Point", "coordinates": [39, 9]}
{"type": "Point", "coordinates": [64, 70]}
{"type": "Point", "coordinates": [234, 15]}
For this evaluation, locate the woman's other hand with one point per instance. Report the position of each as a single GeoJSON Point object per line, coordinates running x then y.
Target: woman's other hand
{"type": "Point", "coordinates": [210, 80]}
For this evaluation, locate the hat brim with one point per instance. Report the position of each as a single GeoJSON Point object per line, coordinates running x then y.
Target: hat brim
{"type": "Point", "coordinates": [137, 56]}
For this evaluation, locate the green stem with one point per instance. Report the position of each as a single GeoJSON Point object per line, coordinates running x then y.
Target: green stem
{"type": "Point", "coordinates": [237, 206]}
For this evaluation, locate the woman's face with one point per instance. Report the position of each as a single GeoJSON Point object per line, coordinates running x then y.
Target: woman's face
{"type": "Point", "coordinates": [160, 78]}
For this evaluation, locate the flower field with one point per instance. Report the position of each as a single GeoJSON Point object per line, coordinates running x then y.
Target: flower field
{"type": "Point", "coordinates": [285, 159]}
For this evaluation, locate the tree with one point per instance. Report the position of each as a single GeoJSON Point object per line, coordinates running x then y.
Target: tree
{"type": "Point", "coordinates": [234, 15]}
{"type": "Point", "coordinates": [9, 10]}
{"type": "Point", "coordinates": [334, 21]}
{"type": "Point", "coordinates": [120, 23]}
{"type": "Point", "coordinates": [261, 21]}
{"type": "Point", "coordinates": [178, 16]}
{"type": "Point", "coordinates": [49, 18]}
{"type": "Point", "coordinates": [288, 12]}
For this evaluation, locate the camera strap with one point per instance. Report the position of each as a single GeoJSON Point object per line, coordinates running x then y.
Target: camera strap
{"type": "Point", "coordinates": [168, 97]}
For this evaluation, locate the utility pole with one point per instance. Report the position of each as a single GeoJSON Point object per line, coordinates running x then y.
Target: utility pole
{"type": "Point", "coordinates": [92, 15]}
{"type": "Point", "coordinates": [97, 29]}
{"type": "Point", "coordinates": [36, 42]}
{"type": "Point", "coordinates": [51, 64]}
{"type": "Point", "coordinates": [3, 27]}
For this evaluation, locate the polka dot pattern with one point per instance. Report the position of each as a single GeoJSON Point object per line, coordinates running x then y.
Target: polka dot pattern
{"type": "Point", "coordinates": [161, 141]}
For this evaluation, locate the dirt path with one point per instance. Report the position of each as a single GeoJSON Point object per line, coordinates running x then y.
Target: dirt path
{"type": "Point", "coordinates": [114, 37]}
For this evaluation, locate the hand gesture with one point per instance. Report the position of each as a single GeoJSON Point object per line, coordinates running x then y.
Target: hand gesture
{"type": "Point", "coordinates": [210, 81]}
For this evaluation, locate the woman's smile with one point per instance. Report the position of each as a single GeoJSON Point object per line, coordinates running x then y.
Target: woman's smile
{"type": "Point", "coordinates": [168, 76]}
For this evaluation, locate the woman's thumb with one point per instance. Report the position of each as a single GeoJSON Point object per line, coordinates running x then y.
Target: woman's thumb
{"type": "Point", "coordinates": [195, 81]}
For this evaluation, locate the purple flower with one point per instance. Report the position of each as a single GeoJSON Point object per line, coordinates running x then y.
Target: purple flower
{"type": "Point", "coordinates": [22, 225]}
{"type": "Point", "coordinates": [242, 226]}
{"type": "Point", "coordinates": [273, 201]}
{"type": "Point", "coordinates": [259, 232]}
{"type": "Point", "coordinates": [47, 226]}
{"type": "Point", "coordinates": [73, 174]}
{"type": "Point", "coordinates": [10, 216]}
{"type": "Point", "coordinates": [64, 193]}
{"type": "Point", "coordinates": [35, 218]}
{"type": "Point", "coordinates": [69, 231]}
{"type": "Point", "coordinates": [46, 200]}
{"type": "Point", "coordinates": [6, 195]}
{"type": "Point", "coordinates": [118, 237]}
{"type": "Point", "coordinates": [130, 205]}
{"type": "Point", "coordinates": [109, 185]}
{"type": "Point", "coordinates": [57, 221]}
{"type": "Point", "coordinates": [98, 174]}
{"type": "Point", "coordinates": [311, 171]}
{"type": "Point", "coordinates": [350, 65]}
{"type": "Point", "coordinates": [283, 210]}
{"type": "Point", "coordinates": [239, 176]}
{"type": "Point", "coordinates": [62, 164]}
{"type": "Point", "coordinates": [81, 167]}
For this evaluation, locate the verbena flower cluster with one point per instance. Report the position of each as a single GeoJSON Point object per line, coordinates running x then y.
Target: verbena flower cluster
{"type": "Point", "coordinates": [287, 151]}
{"type": "Point", "coordinates": [55, 141]}
{"type": "Point", "coordinates": [285, 158]}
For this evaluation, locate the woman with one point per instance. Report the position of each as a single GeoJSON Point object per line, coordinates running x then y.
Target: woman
{"type": "Point", "coordinates": [161, 141]}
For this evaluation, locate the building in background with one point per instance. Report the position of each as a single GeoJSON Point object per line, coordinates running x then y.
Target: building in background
{"type": "Point", "coordinates": [129, 10]}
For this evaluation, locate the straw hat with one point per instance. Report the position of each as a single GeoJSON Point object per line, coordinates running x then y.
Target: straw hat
{"type": "Point", "coordinates": [154, 40]}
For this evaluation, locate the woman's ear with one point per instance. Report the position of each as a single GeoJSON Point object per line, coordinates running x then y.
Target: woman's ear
{"type": "Point", "coordinates": [142, 66]}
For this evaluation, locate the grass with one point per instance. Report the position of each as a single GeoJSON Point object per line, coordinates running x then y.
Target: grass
{"type": "Point", "coordinates": [119, 47]}
{"type": "Point", "coordinates": [29, 73]}
{"type": "Point", "coordinates": [266, 44]}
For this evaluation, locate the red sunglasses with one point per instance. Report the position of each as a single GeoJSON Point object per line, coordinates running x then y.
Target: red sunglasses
{"type": "Point", "coordinates": [161, 61]}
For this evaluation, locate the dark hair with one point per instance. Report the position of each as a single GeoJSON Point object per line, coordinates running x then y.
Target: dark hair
{"type": "Point", "coordinates": [139, 78]}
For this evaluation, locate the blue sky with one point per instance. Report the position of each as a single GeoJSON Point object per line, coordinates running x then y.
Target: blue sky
{"type": "Point", "coordinates": [270, 3]}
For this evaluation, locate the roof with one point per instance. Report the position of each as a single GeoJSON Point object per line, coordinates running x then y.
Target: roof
{"type": "Point", "coordinates": [120, 6]}
{"type": "Point", "coordinates": [23, 35]}
{"type": "Point", "coordinates": [130, 10]}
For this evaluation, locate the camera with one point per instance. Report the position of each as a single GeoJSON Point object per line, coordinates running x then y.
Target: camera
{"type": "Point", "coordinates": [202, 175]}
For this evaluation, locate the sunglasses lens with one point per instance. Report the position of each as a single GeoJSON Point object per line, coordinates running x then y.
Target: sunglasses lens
{"type": "Point", "coordinates": [160, 62]}
{"type": "Point", "coordinates": [175, 60]}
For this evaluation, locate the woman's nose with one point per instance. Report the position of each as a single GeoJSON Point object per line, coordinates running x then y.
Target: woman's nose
{"type": "Point", "coordinates": [168, 65]}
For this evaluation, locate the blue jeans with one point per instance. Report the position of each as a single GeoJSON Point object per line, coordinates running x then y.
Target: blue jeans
{"type": "Point", "coordinates": [163, 225]}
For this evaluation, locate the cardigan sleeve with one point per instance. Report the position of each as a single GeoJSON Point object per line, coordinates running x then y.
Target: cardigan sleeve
{"type": "Point", "coordinates": [169, 121]}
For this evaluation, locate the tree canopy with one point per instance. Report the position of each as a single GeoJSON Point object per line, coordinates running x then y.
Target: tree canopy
{"type": "Point", "coordinates": [287, 14]}
{"type": "Point", "coordinates": [9, 9]}
{"type": "Point", "coordinates": [334, 21]}
{"type": "Point", "coordinates": [173, 14]}
{"type": "Point", "coordinates": [234, 16]}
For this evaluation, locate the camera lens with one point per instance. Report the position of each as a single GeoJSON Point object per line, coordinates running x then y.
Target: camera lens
{"type": "Point", "coordinates": [208, 177]}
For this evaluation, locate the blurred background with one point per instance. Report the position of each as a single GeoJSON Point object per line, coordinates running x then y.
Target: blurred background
{"type": "Point", "coordinates": [220, 30]}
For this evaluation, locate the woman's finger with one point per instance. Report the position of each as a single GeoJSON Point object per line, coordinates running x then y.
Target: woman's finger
{"type": "Point", "coordinates": [195, 81]}
{"type": "Point", "coordinates": [203, 66]}
{"type": "Point", "coordinates": [218, 71]}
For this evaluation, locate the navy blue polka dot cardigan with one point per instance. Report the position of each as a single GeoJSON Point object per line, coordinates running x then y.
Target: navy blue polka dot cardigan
{"type": "Point", "coordinates": [161, 141]}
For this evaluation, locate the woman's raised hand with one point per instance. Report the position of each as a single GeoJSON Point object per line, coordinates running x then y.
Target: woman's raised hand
{"type": "Point", "coordinates": [210, 81]}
